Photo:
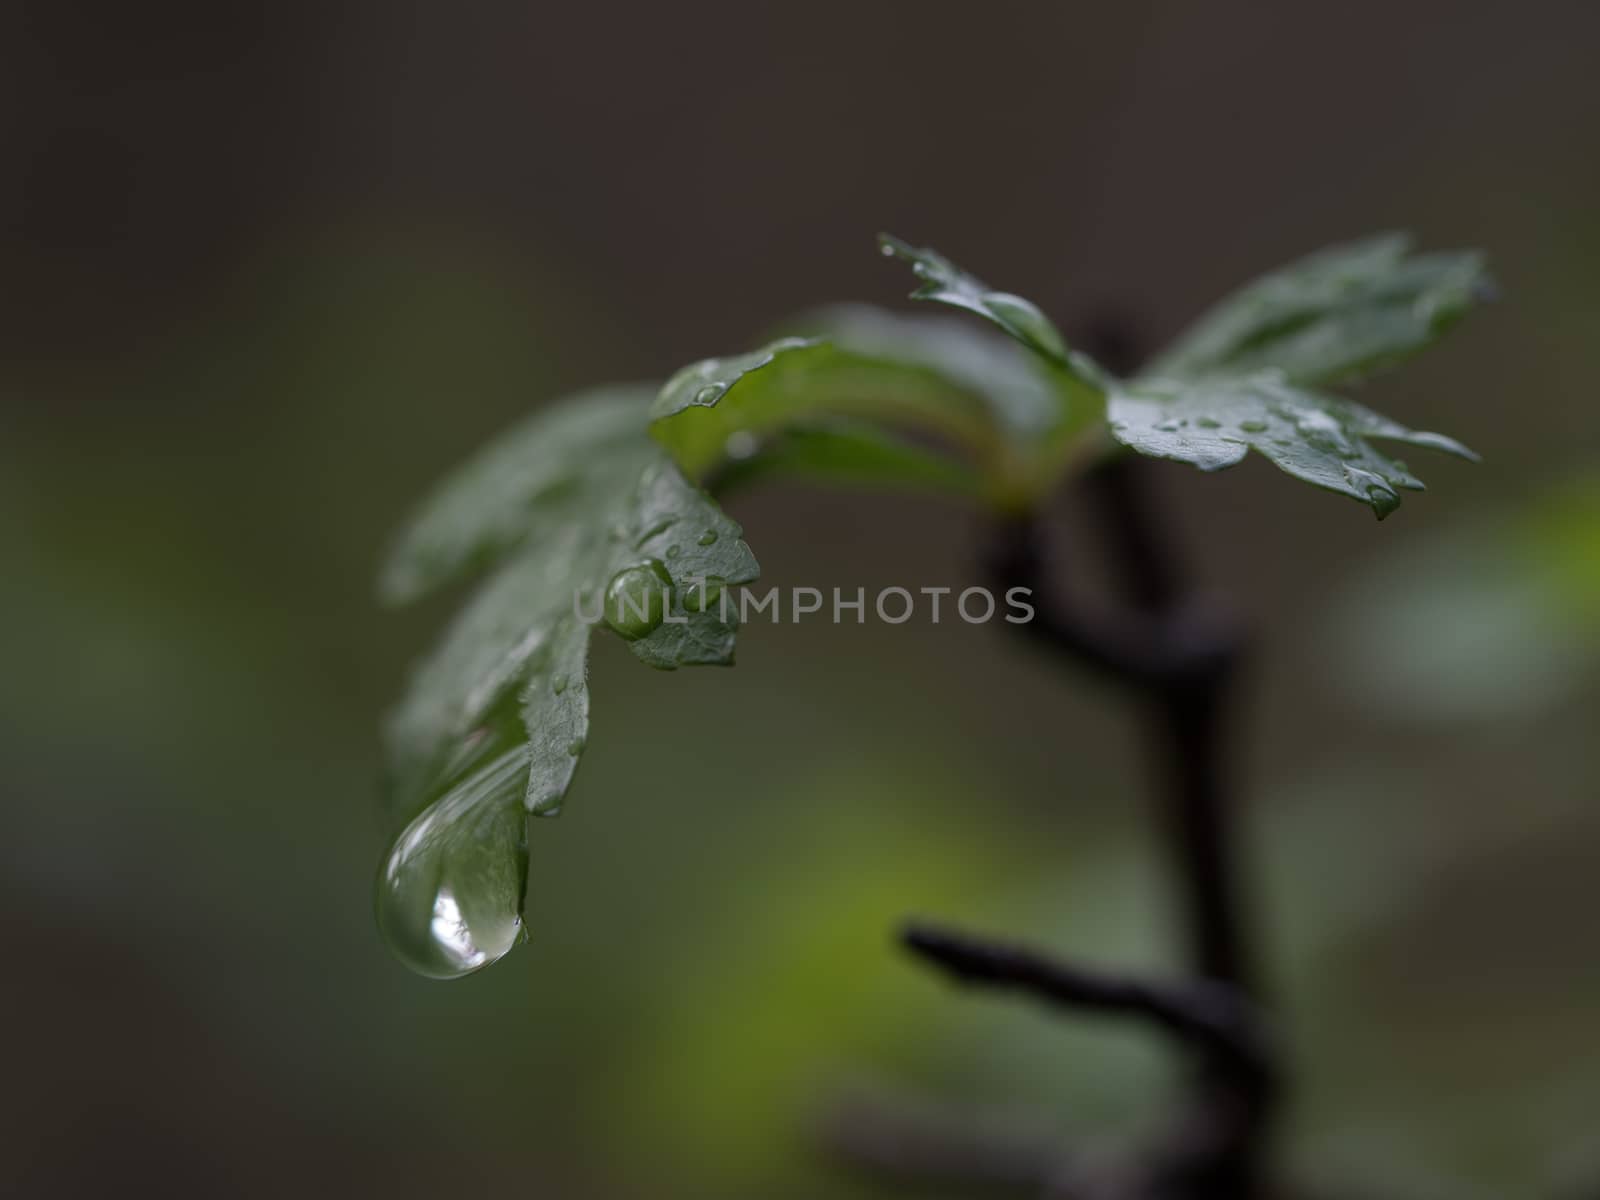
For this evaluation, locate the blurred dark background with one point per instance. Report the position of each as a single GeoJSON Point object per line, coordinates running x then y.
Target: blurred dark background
{"type": "Point", "coordinates": [268, 270]}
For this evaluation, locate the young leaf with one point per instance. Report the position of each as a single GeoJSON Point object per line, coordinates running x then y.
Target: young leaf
{"type": "Point", "coordinates": [946, 283]}
{"type": "Point", "coordinates": [723, 409]}
{"type": "Point", "coordinates": [1340, 313]}
{"type": "Point", "coordinates": [1078, 381]}
{"type": "Point", "coordinates": [496, 718]}
{"type": "Point", "coordinates": [1237, 379]}
{"type": "Point", "coordinates": [1016, 391]}
{"type": "Point", "coordinates": [863, 401]}
{"type": "Point", "coordinates": [533, 479]}
{"type": "Point", "coordinates": [1321, 439]}
{"type": "Point", "coordinates": [847, 452]}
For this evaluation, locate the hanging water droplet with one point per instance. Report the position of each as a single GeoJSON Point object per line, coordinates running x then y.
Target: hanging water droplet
{"type": "Point", "coordinates": [1380, 494]}
{"type": "Point", "coordinates": [558, 684]}
{"type": "Point", "coordinates": [710, 394]}
{"type": "Point", "coordinates": [636, 599]}
{"type": "Point", "coordinates": [1252, 426]}
{"type": "Point", "coordinates": [1168, 427]}
{"type": "Point", "coordinates": [674, 551]}
{"type": "Point", "coordinates": [708, 538]}
{"type": "Point", "coordinates": [449, 895]}
{"type": "Point", "coordinates": [1208, 423]}
{"type": "Point", "coordinates": [575, 747]}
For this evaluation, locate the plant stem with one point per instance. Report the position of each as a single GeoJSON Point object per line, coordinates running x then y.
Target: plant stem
{"type": "Point", "coordinates": [1188, 724]}
{"type": "Point", "coordinates": [1178, 656]}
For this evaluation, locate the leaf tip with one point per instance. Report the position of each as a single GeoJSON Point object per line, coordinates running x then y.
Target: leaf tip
{"type": "Point", "coordinates": [1446, 445]}
{"type": "Point", "coordinates": [892, 247]}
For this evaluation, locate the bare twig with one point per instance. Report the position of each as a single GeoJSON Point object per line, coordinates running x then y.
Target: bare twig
{"type": "Point", "coordinates": [1199, 1014]}
{"type": "Point", "coordinates": [1188, 709]}
{"type": "Point", "coordinates": [1179, 656]}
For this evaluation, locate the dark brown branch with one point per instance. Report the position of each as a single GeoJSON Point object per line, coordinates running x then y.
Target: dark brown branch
{"type": "Point", "coordinates": [1140, 555]}
{"type": "Point", "coordinates": [1199, 1014]}
{"type": "Point", "coordinates": [1188, 710]}
{"type": "Point", "coordinates": [1179, 657]}
{"type": "Point", "coordinates": [1190, 645]}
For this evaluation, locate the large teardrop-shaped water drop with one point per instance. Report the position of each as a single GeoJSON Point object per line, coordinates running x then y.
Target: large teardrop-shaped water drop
{"type": "Point", "coordinates": [450, 891]}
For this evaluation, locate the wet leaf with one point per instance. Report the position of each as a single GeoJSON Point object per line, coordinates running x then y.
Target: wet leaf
{"type": "Point", "coordinates": [1016, 392]}
{"type": "Point", "coordinates": [724, 410]}
{"type": "Point", "coordinates": [528, 482]}
{"type": "Point", "coordinates": [876, 398]}
{"type": "Point", "coordinates": [1238, 379]}
{"type": "Point", "coordinates": [496, 718]}
{"type": "Point", "coordinates": [1079, 381]}
{"type": "Point", "coordinates": [946, 283]}
{"type": "Point", "coordinates": [847, 452]}
{"type": "Point", "coordinates": [1343, 312]}
{"type": "Point", "coordinates": [1321, 439]}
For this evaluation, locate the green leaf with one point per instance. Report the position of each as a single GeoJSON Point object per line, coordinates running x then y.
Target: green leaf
{"type": "Point", "coordinates": [946, 283]}
{"type": "Point", "coordinates": [1079, 383]}
{"type": "Point", "coordinates": [752, 407]}
{"type": "Point", "coordinates": [1320, 439]}
{"type": "Point", "coordinates": [1237, 379]}
{"type": "Point", "coordinates": [848, 453]}
{"type": "Point", "coordinates": [1017, 393]}
{"type": "Point", "coordinates": [878, 398]}
{"type": "Point", "coordinates": [533, 479]}
{"type": "Point", "coordinates": [1342, 312]}
{"type": "Point", "coordinates": [496, 718]}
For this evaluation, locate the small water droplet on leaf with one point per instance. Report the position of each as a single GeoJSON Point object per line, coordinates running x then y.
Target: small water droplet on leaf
{"type": "Point", "coordinates": [701, 594]}
{"type": "Point", "coordinates": [636, 599]}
